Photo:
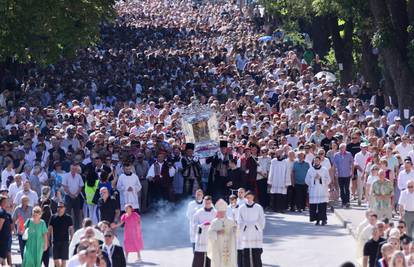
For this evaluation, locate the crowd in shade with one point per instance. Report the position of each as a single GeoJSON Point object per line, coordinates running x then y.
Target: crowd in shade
{"type": "Point", "coordinates": [90, 144]}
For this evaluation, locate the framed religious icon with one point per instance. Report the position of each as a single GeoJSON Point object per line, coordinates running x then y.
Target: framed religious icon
{"type": "Point", "coordinates": [200, 126]}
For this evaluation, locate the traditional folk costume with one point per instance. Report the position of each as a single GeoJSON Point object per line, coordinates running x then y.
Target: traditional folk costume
{"type": "Point", "coordinates": [201, 222]}
{"type": "Point", "coordinates": [279, 181]}
{"type": "Point", "coordinates": [160, 175]}
{"type": "Point", "coordinates": [218, 173]}
{"type": "Point", "coordinates": [221, 247]}
{"type": "Point", "coordinates": [251, 222]}
{"type": "Point", "coordinates": [191, 171]}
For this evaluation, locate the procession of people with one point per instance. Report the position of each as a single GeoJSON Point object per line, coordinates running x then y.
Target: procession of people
{"type": "Point", "coordinates": [90, 144]}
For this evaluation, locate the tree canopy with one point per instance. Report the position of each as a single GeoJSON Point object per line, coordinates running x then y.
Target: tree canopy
{"type": "Point", "coordinates": [43, 31]}
{"type": "Point", "coordinates": [374, 38]}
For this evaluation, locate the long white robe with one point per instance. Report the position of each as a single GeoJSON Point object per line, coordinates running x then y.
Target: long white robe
{"type": "Point", "coordinates": [221, 247]}
{"type": "Point", "coordinates": [251, 222]}
{"type": "Point", "coordinates": [199, 219]}
{"type": "Point", "coordinates": [129, 197]}
{"type": "Point", "coordinates": [318, 188]}
{"type": "Point", "coordinates": [279, 176]}
{"type": "Point", "coordinates": [192, 208]}
{"type": "Point", "coordinates": [233, 214]}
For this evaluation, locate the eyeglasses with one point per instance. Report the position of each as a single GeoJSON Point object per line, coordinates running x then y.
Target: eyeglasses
{"type": "Point", "coordinates": [108, 235]}
{"type": "Point", "coordinates": [410, 186]}
{"type": "Point", "coordinates": [400, 227]}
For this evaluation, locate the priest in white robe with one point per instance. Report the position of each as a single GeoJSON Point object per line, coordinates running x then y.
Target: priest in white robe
{"type": "Point", "coordinates": [201, 221]}
{"type": "Point", "coordinates": [129, 186]}
{"type": "Point", "coordinates": [221, 246]}
{"type": "Point", "coordinates": [318, 181]}
{"type": "Point", "coordinates": [279, 181]}
{"type": "Point", "coordinates": [192, 207]}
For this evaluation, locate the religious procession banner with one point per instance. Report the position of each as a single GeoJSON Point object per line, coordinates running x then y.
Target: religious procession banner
{"type": "Point", "coordinates": [200, 126]}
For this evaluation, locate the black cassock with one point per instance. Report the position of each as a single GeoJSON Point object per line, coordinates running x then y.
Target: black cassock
{"type": "Point", "coordinates": [200, 259]}
{"type": "Point", "coordinates": [252, 257]}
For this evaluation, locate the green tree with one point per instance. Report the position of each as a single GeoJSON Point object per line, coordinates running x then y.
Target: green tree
{"type": "Point", "coordinates": [43, 31]}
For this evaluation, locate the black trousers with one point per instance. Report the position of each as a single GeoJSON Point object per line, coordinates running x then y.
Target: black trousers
{"type": "Point", "coordinates": [344, 189]}
{"type": "Point", "coordinates": [46, 256]}
{"type": "Point", "coordinates": [240, 258]}
{"type": "Point", "coordinates": [252, 257]}
{"type": "Point", "coordinates": [74, 204]}
{"type": "Point", "coordinates": [262, 193]}
{"type": "Point", "coordinates": [317, 212]}
{"type": "Point", "coordinates": [291, 197]}
{"type": "Point", "coordinates": [279, 202]}
{"type": "Point", "coordinates": [301, 193]}
{"type": "Point", "coordinates": [200, 259]}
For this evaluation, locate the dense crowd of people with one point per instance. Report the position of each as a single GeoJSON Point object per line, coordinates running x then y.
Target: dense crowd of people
{"type": "Point", "coordinates": [91, 143]}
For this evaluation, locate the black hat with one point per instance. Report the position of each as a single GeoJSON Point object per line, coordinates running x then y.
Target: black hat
{"type": "Point", "coordinates": [189, 146]}
{"type": "Point", "coordinates": [223, 143]}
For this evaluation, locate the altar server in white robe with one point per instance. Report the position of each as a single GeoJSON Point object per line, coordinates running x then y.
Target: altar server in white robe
{"type": "Point", "coordinates": [251, 221]}
{"type": "Point", "coordinates": [129, 186]}
{"type": "Point", "coordinates": [233, 214]}
{"type": "Point", "coordinates": [221, 246]}
{"type": "Point", "coordinates": [279, 181]}
{"type": "Point", "coordinates": [192, 208]}
{"type": "Point", "coordinates": [201, 221]}
{"type": "Point", "coordinates": [318, 179]}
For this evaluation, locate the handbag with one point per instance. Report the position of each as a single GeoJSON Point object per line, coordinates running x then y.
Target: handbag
{"type": "Point", "coordinates": [25, 235]}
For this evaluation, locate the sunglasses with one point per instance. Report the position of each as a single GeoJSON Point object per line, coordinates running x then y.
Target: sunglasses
{"type": "Point", "coordinates": [410, 186]}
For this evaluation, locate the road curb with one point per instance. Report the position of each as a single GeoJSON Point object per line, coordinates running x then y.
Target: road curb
{"type": "Point", "coordinates": [346, 224]}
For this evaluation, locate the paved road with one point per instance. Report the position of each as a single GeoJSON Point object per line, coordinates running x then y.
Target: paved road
{"type": "Point", "coordinates": [290, 241]}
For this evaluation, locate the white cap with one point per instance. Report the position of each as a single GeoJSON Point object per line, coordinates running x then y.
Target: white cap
{"type": "Point", "coordinates": [221, 205]}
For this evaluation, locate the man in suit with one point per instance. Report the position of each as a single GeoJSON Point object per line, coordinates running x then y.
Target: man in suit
{"type": "Point", "coordinates": [113, 254]}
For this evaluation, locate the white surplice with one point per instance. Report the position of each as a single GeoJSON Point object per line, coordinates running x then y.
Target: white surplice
{"type": "Point", "coordinates": [318, 187]}
{"type": "Point", "coordinates": [200, 218]}
{"type": "Point", "coordinates": [251, 222]}
{"type": "Point", "coordinates": [279, 176]}
{"type": "Point", "coordinates": [192, 208]}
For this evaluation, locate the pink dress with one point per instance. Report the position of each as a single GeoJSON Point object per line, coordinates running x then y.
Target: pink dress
{"type": "Point", "coordinates": [132, 232]}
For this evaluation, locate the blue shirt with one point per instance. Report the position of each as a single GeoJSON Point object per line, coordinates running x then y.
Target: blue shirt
{"type": "Point", "coordinates": [300, 169]}
{"type": "Point", "coordinates": [343, 164]}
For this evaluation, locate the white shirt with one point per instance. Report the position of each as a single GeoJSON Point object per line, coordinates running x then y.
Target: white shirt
{"type": "Point", "coordinates": [407, 200]}
{"type": "Point", "coordinates": [74, 261]}
{"type": "Point", "coordinates": [5, 174]}
{"type": "Point", "coordinates": [361, 160]}
{"type": "Point", "coordinates": [14, 189]}
{"type": "Point", "coordinates": [32, 195]}
{"type": "Point", "coordinates": [403, 178]}
{"type": "Point", "coordinates": [72, 182]}
{"type": "Point", "coordinates": [404, 150]}
{"type": "Point", "coordinates": [151, 171]}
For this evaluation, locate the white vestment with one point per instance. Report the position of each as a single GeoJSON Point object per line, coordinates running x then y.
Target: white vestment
{"type": "Point", "coordinates": [279, 176]}
{"type": "Point", "coordinates": [129, 197]}
{"type": "Point", "coordinates": [221, 247]}
{"type": "Point", "coordinates": [251, 222]}
{"type": "Point", "coordinates": [318, 187]}
{"type": "Point", "coordinates": [200, 218]}
{"type": "Point", "coordinates": [192, 207]}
